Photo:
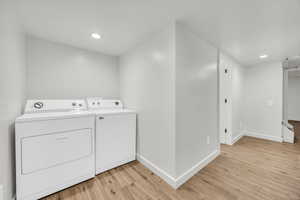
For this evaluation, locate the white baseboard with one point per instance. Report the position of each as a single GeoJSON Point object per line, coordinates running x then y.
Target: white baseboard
{"type": "Point", "coordinates": [177, 182]}
{"type": "Point", "coordinates": [237, 138]}
{"type": "Point", "coordinates": [156, 170]}
{"type": "Point", "coordinates": [196, 168]}
{"type": "Point", "coordinates": [263, 136]}
{"type": "Point", "coordinates": [1, 192]}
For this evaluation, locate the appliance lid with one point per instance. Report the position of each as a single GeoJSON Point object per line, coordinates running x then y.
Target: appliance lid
{"type": "Point", "coordinates": [112, 111]}
{"type": "Point", "coordinates": [29, 117]}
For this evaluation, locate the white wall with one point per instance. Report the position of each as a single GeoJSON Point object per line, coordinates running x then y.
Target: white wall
{"type": "Point", "coordinates": [147, 85]}
{"type": "Point", "coordinates": [263, 100]}
{"type": "Point", "coordinates": [170, 78]}
{"type": "Point", "coordinates": [61, 71]}
{"type": "Point", "coordinates": [196, 100]}
{"type": "Point", "coordinates": [12, 90]}
{"type": "Point", "coordinates": [293, 97]}
{"type": "Point", "coordinates": [238, 82]}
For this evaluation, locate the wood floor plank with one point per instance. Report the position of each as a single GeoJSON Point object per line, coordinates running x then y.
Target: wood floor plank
{"type": "Point", "coordinates": [252, 169]}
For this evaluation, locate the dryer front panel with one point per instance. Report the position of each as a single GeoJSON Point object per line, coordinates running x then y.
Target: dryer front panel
{"type": "Point", "coordinates": [45, 151]}
{"type": "Point", "coordinates": [53, 154]}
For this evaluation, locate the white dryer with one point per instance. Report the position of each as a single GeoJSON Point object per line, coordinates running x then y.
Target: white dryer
{"type": "Point", "coordinates": [115, 133]}
{"type": "Point", "coordinates": [54, 147]}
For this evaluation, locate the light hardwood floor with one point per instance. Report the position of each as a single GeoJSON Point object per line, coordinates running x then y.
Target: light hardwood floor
{"type": "Point", "coordinates": [251, 169]}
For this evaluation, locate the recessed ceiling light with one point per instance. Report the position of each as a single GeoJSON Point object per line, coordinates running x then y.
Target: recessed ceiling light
{"type": "Point", "coordinates": [263, 56]}
{"type": "Point", "coordinates": [96, 36]}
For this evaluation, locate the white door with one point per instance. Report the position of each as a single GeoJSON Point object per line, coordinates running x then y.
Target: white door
{"type": "Point", "coordinates": [225, 103]}
{"type": "Point", "coordinates": [115, 140]}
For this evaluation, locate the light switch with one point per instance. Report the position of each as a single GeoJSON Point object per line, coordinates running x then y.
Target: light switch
{"type": "Point", "coordinates": [270, 103]}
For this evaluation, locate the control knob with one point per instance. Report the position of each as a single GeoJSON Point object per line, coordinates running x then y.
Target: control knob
{"type": "Point", "coordinates": [38, 105]}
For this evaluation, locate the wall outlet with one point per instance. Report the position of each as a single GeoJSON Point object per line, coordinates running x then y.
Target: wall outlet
{"type": "Point", "coordinates": [1, 192]}
{"type": "Point", "coordinates": [207, 140]}
{"type": "Point", "coordinates": [241, 126]}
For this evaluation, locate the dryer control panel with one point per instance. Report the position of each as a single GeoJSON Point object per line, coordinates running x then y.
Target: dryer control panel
{"type": "Point", "coordinates": [100, 103]}
{"type": "Point", "coordinates": [49, 105]}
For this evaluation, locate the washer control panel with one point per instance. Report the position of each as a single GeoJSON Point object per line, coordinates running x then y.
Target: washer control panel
{"type": "Point", "coordinates": [49, 105]}
{"type": "Point", "coordinates": [100, 103]}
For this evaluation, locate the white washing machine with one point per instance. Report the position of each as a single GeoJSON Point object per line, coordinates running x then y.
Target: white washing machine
{"type": "Point", "coordinates": [115, 133]}
{"type": "Point", "coordinates": [54, 147]}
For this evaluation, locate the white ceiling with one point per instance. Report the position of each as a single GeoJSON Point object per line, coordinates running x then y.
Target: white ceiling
{"type": "Point", "coordinates": [244, 29]}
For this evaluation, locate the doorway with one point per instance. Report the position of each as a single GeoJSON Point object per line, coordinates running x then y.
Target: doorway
{"type": "Point", "coordinates": [291, 100]}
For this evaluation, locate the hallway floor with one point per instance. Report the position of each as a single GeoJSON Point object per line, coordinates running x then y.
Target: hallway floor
{"type": "Point", "coordinates": [296, 125]}
{"type": "Point", "coordinates": [251, 169]}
